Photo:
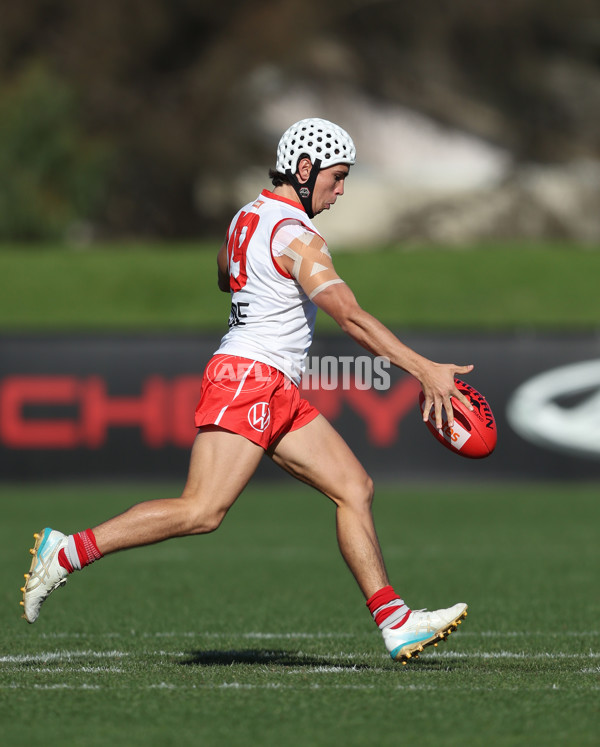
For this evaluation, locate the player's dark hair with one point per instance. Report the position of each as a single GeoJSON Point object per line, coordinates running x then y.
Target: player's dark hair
{"type": "Point", "coordinates": [280, 179]}
{"type": "Point", "coordinates": [277, 178]}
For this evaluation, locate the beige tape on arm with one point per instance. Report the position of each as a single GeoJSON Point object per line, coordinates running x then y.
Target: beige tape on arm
{"type": "Point", "coordinates": [316, 268]}
{"type": "Point", "coordinates": [316, 272]}
{"type": "Point", "coordinates": [324, 285]}
{"type": "Point", "coordinates": [312, 265]}
{"type": "Point", "coordinates": [289, 252]}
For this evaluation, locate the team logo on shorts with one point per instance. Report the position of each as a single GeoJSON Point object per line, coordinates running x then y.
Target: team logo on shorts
{"type": "Point", "coordinates": [259, 416]}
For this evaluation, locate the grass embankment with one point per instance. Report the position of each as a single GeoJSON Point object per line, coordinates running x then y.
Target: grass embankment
{"type": "Point", "coordinates": [173, 288]}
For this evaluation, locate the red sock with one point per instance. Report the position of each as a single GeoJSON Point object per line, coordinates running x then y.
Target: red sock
{"type": "Point", "coordinates": [81, 550]}
{"type": "Point", "coordinates": [64, 561]}
{"type": "Point", "coordinates": [387, 608]}
{"type": "Point", "coordinates": [87, 549]}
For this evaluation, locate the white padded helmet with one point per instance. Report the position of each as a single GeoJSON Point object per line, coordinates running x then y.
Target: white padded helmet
{"type": "Point", "coordinates": [317, 138]}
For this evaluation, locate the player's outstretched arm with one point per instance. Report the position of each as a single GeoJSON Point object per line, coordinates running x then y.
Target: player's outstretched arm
{"type": "Point", "coordinates": [437, 379]}
{"type": "Point", "coordinates": [309, 262]}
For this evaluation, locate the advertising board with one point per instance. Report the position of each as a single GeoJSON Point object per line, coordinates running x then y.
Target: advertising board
{"type": "Point", "coordinates": [111, 407]}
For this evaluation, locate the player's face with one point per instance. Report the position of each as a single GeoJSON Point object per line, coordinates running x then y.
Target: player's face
{"type": "Point", "coordinates": [329, 186]}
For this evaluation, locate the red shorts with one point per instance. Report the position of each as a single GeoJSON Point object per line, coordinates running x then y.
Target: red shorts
{"type": "Point", "coordinates": [251, 398]}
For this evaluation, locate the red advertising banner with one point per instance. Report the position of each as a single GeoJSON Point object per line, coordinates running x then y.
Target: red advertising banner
{"type": "Point", "coordinates": [122, 407]}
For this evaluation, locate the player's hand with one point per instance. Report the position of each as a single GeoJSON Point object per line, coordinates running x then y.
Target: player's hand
{"type": "Point", "coordinates": [438, 387]}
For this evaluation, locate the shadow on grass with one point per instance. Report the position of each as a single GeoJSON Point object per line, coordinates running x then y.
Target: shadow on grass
{"type": "Point", "coordinates": [264, 656]}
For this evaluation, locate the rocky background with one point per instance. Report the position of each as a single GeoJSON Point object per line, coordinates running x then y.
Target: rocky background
{"type": "Point", "coordinates": [152, 119]}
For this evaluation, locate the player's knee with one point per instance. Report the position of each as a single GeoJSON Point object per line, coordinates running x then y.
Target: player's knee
{"type": "Point", "coordinates": [204, 522]}
{"type": "Point", "coordinates": [368, 491]}
{"type": "Point", "coordinates": [200, 519]}
{"type": "Point", "coordinates": [359, 493]}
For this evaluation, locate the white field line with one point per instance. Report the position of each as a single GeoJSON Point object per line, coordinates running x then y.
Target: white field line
{"type": "Point", "coordinates": [278, 686]}
{"type": "Point", "coordinates": [512, 655]}
{"type": "Point", "coordinates": [46, 656]}
{"type": "Point", "coordinates": [63, 670]}
{"type": "Point", "coordinates": [257, 635]}
{"type": "Point", "coordinates": [209, 686]}
{"type": "Point", "coordinates": [55, 686]}
{"type": "Point", "coordinates": [63, 656]}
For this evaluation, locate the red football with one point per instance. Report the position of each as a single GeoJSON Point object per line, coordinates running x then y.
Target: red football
{"type": "Point", "coordinates": [473, 434]}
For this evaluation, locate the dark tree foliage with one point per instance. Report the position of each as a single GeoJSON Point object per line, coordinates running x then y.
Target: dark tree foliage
{"type": "Point", "coordinates": [157, 98]}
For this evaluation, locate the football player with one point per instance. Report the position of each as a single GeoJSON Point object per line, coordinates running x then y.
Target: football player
{"type": "Point", "coordinates": [278, 270]}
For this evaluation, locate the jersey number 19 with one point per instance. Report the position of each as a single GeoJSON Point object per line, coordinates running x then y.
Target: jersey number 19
{"type": "Point", "coordinates": [236, 249]}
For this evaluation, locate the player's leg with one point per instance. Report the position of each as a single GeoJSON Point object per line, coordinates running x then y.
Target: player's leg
{"type": "Point", "coordinates": [317, 455]}
{"type": "Point", "coordinates": [221, 465]}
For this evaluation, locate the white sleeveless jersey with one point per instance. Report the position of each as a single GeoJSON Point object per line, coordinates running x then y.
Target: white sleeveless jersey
{"type": "Point", "coordinates": [272, 320]}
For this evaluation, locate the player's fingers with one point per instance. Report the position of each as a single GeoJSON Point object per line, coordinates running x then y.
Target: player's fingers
{"type": "Point", "coordinates": [427, 405]}
{"type": "Point", "coordinates": [458, 394]}
{"type": "Point", "coordinates": [438, 408]}
{"type": "Point", "coordinates": [461, 398]}
{"type": "Point", "coordinates": [449, 414]}
{"type": "Point", "coordinates": [464, 369]}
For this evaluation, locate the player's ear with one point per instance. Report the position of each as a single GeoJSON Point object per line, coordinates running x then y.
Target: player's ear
{"type": "Point", "coordinates": [304, 169]}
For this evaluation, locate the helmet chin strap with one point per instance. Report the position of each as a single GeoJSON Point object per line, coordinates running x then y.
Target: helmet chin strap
{"type": "Point", "coordinates": [304, 190]}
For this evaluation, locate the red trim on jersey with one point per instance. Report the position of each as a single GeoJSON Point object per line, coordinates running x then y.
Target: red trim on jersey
{"type": "Point", "coordinates": [273, 196]}
{"type": "Point", "coordinates": [285, 220]}
{"type": "Point", "coordinates": [277, 267]}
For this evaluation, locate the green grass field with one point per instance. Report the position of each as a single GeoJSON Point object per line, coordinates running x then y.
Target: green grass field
{"type": "Point", "coordinates": [257, 635]}
{"type": "Point", "coordinates": [173, 288]}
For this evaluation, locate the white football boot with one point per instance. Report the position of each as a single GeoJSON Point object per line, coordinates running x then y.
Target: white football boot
{"type": "Point", "coordinates": [422, 629]}
{"type": "Point", "coordinates": [45, 574]}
